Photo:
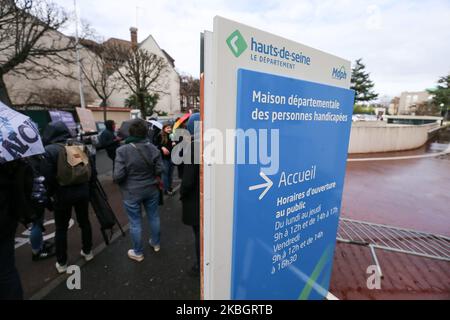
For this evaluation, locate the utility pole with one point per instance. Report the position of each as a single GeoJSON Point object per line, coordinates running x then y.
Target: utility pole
{"type": "Point", "coordinates": [80, 75]}
{"type": "Point", "coordinates": [138, 9]}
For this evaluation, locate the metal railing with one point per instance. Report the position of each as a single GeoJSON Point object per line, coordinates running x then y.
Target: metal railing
{"type": "Point", "coordinates": [378, 236]}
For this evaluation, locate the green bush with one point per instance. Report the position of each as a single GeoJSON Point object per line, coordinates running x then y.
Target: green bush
{"type": "Point", "coordinates": [149, 100]}
{"type": "Point", "coordinates": [161, 113]}
{"type": "Point", "coordinates": [361, 109]}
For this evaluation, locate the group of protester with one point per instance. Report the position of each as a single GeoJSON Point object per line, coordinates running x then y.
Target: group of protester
{"type": "Point", "coordinates": [60, 180]}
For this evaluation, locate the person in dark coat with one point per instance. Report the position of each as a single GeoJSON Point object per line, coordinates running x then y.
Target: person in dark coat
{"type": "Point", "coordinates": [190, 191]}
{"type": "Point", "coordinates": [41, 249]}
{"type": "Point", "coordinates": [55, 136]}
{"type": "Point", "coordinates": [10, 284]}
{"type": "Point", "coordinates": [109, 141]}
{"type": "Point", "coordinates": [18, 202]}
{"type": "Point", "coordinates": [165, 145]}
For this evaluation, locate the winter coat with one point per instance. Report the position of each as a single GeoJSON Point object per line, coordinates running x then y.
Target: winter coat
{"type": "Point", "coordinates": [56, 134]}
{"type": "Point", "coordinates": [16, 205]}
{"type": "Point", "coordinates": [159, 143]}
{"type": "Point", "coordinates": [190, 189]}
{"type": "Point", "coordinates": [135, 178]}
{"type": "Point", "coordinates": [8, 218]}
{"type": "Point", "coordinates": [107, 141]}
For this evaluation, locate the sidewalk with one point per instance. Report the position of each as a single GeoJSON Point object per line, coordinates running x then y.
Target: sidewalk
{"type": "Point", "coordinates": [162, 275]}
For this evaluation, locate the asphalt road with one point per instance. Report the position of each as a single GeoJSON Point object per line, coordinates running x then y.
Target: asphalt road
{"type": "Point", "coordinates": [162, 275]}
{"type": "Point", "coordinates": [104, 164]}
{"type": "Point", "coordinates": [165, 272]}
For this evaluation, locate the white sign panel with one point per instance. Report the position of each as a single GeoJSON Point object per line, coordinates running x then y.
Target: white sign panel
{"type": "Point", "coordinates": [236, 46]}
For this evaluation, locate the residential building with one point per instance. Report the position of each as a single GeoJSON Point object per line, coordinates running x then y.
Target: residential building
{"type": "Point", "coordinates": [410, 100]}
{"type": "Point", "coordinates": [169, 101]}
{"type": "Point", "coordinates": [394, 106]}
{"type": "Point", "coordinates": [35, 92]}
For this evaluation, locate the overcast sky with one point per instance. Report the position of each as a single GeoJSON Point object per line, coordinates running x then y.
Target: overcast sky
{"type": "Point", "coordinates": [404, 44]}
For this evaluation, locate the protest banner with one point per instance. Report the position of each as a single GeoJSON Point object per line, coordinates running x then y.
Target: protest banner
{"type": "Point", "coordinates": [19, 137]}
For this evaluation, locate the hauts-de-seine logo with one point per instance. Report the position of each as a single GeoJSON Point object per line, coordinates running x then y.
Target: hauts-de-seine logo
{"type": "Point", "coordinates": [339, 73]}
{"type": "Point", "coordinates": [236, 43]}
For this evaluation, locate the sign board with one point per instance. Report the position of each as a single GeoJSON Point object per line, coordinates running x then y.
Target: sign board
{"type": "Point", "coordinates": [265, 86]}
{"type": "Point", "coordinates": [65, 117]}
{"type": "Point", "coordinates": [286, 214]}
{"type": "Point", "coordinates": [19, 137]}
{"type": "Point", "coordinates": [87, 120]}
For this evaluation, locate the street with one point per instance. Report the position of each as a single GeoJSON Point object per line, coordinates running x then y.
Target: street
{"type": "Point", "coordinates": [163, 275]}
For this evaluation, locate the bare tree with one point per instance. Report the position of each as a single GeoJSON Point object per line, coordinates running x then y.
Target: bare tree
{"type": "Point", "coordinates": [98, 70]}
{"type": "Point", "coordinates": [143, 73]}
{"type": "Point", "coordinates": [189, 91]}
{"type": "Point", "coordinates": [30, 44]}
{"type": "Point", "coordinates": [427, 108]}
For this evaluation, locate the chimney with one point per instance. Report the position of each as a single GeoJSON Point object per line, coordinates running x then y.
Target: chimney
{"type": "Point", "coordinates": [134, 38]}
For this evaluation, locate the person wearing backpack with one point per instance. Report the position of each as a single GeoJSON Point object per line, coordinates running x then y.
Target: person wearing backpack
{"type": "Point", "coordinates": [68, 172]}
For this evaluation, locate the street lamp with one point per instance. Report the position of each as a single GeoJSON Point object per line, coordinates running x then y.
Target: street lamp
{"type": "Point", "coordinates": [443, 112]}
{"type": "Point", "coordinates": [77, 50]}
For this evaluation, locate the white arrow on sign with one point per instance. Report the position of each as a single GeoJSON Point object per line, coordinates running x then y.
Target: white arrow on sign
{"type": "Point", "coordinates": [266, 185]}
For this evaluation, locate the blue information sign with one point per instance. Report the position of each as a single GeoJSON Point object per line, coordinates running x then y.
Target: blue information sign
{"type": "Point", "coordinates": [288, 190]}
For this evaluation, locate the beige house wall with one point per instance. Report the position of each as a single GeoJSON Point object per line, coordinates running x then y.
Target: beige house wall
{"type": "Point", "coordinates": [169, 102]}
{"type": "Point", "coordinates": [409, 99]}
{"type": "Point", "coordinates": [30, 89]}
{"type": "Point", "coordinates": [119, 115]}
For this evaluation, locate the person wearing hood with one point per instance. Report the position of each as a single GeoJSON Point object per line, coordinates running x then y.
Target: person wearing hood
{"type": "Point", "coordinates": [109, 141]}
{"type": "Point", "coordinates": [190, 190]}
{"type": "Point", "coordinates": [55, 136]}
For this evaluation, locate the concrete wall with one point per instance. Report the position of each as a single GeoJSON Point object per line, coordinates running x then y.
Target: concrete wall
{"type": "Point", "coordinates": [370, 137]}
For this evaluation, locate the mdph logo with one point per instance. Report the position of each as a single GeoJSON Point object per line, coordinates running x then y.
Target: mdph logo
{"type": "Point", "coordinates": [339, 74]}
{"type": "Point", "coordinates": [236, 43]}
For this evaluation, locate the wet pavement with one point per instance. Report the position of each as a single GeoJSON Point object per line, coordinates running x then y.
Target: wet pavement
{"type": "Point", "coordinates": [161, 275]}
{"type": "Point", "coordinates": [412, 194]}
{"type": "Point", "coordinates": [37, 275]}
{"type": "Point", "coordinates": [111, 275]}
